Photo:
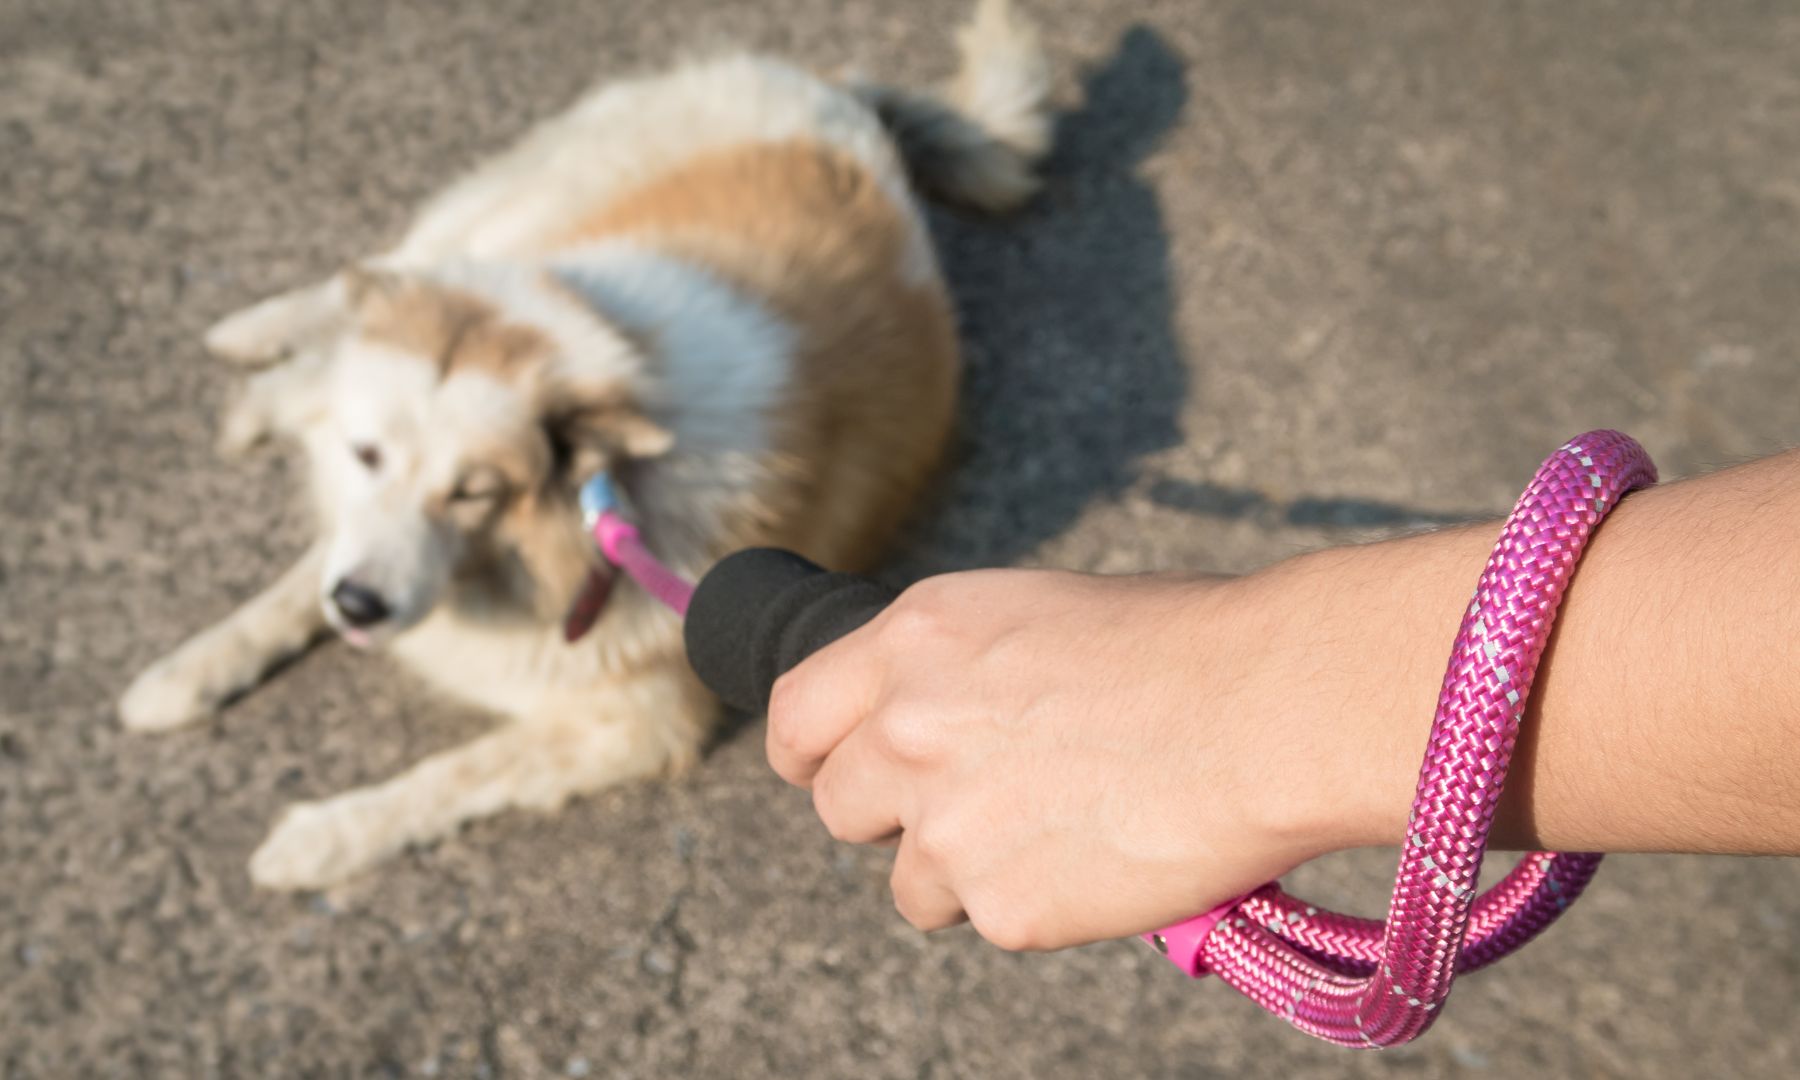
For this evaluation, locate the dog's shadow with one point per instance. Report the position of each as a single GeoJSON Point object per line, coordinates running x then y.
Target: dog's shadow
{"type": "Point", "coordinates": [1073, 372]}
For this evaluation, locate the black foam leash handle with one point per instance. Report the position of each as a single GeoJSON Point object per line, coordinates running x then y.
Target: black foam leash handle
{"type": "Point", "coordinates": [760, 612]}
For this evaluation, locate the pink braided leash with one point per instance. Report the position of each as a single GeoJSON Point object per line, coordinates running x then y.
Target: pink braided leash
{"type": "Point", "coordinates": [1363, 983]}
{"type": "Point", "coordinates": [624, 547]}
{"type": "Point", "coordinates": [619, 540]}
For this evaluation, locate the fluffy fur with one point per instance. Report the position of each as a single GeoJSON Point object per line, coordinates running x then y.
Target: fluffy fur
{"type": "Point", "coordinates": [713, 282]}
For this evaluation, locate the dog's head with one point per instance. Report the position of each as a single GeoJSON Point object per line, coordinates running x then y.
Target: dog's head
{"type": "Point", "coordinates": [449, 422]}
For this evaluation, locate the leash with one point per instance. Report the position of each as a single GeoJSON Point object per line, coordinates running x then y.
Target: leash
{"type": "Point", "coordinates": [623, 546]}
{"type": "Point", "coordinates": [1354, 982]}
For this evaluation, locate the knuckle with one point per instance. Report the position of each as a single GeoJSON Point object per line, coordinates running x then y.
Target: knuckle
{"type": "Point", "coordinates": [925, 612]}
{"type": "Point", "coordinates": [784, 702]}
{"type": "Point", "coordinates": [912, 734]}
{"type": "Point", "coordinates": [936, 843]}
{"type": "Point", "coordinates": [912, 624]}
{"type": "Point", "coordinates": [943, 595]}
{"type": "Point", "coordinates": [909, 904]}
{"type": "Point", "coordinates": [788, 728]}
{"type": "Point", "coordinates": [827, 806]}
{"type": "Point", "coordinates": [904, 905]}
{"type": "Point", "coordinates": [1007, 927]}
{"type": "Point", "coordinates": [913, 918]}
{"type": "Point", "coordinates": [933, 592]}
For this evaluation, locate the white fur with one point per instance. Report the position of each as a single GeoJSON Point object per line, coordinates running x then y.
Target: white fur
{"type": "Point", "coordinates": [378, 530]}
{"type": "Point", "coordinates": [621, 136]}
{"type": "Point", "coordinates": [1004, 79]}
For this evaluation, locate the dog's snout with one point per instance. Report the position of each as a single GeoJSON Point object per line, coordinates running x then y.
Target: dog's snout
{"type": "Point", "coordinates": [361, 606]}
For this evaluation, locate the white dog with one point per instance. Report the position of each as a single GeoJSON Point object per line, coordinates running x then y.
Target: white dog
{"type": "Point", "coordinates": [715, 285]}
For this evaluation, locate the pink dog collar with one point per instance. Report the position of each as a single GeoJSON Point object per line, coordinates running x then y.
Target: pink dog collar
{"type": "Point", "coordinates": [1363, 983]}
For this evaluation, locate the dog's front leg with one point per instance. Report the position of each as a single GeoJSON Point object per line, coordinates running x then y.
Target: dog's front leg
{"type": "Point", "coordinates": [212, 666]}
{"type": "Point", "coordinates": [651, 724]}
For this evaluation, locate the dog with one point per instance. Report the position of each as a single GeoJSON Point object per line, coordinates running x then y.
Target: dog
{"type": "Point", "coordinates": [713, 284]}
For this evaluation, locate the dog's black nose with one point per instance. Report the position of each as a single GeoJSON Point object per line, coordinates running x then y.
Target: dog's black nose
{"type": "Point", "coordinates": [360, 606]}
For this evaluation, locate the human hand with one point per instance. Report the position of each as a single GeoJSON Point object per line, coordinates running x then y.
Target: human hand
{"type": "Point", "coordinates": [1064, 758]}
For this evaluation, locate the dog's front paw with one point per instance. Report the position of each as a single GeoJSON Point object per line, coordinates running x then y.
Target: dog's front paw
{"type": "Point", "coordinates": [166, 695]}
{"type": "Point", "coordinates": [317, 845]}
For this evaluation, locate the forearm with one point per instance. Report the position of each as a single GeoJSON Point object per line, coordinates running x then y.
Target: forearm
{"type": "Point", "coordinates": [1666, 712]}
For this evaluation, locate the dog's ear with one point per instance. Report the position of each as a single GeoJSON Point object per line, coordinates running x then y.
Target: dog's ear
{"type": "Point", "coordinates": [598, 438]}
{"type": "Point", "coordinates": [282, 326]}
{"type": "Point", "coordinates": [367, 287]}
{"type": "Point", "coordinates": [281, 401]}
{"type": "Point", "coordinates": [594, 426]}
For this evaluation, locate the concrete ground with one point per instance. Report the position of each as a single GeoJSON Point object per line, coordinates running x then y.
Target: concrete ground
{"type": "Point", "coordinates": [1305, 273]}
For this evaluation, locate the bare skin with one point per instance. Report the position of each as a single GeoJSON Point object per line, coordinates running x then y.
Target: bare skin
{"type": "Point", "coordinates": [1064, 759]}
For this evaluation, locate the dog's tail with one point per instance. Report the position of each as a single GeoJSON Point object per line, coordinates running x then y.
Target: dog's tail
{"type": "Point", "coordinates": [977, 141]}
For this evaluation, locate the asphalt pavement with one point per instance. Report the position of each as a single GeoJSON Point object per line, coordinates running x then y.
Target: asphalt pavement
{"type": "Point", "coordinates": [1305, 273]}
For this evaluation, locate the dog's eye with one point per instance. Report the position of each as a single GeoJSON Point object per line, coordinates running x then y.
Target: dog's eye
{"type": "Point", "coordinates": [367, 453]}
{"type": "Point", "coordinates": [475, 486]}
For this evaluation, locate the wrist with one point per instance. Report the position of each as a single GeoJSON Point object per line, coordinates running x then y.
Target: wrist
{"type": "Point", "coordinates": [1344, 653]}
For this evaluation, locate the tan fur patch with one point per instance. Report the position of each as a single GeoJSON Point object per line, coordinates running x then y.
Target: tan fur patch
{"type": "Point", "coordinates": [811, 234]}
{"type": "Point", "coordinates": [557, 553]}
{"type": "Point", "coordinates": [454, 329]}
